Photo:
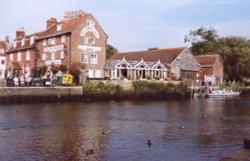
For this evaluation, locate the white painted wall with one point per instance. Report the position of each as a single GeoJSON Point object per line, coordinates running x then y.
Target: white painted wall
{"type": "Point", "coordinates": [2, 66]}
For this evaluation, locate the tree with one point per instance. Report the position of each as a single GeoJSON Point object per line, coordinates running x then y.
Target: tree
{"type": "Point", "coordinates": [110, 50]}
{"type": "Point", "coordinates": [78, 71]}
{"type": "Point", "coordinates": [203, 40]}
{"type": "Point", "coordinates": [234, 50]}
{"type": "Point", "coordinates": [154, 48]}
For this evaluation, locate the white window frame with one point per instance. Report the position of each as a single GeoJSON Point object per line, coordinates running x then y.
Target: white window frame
{"type": "Point", "coordinates": [62, 54]}
{"type": "Point", "coordinates": [90, 23]}
{"type": "Point", "coordinates": [63, 37]}
{"type": "Point", "coordinates": [15, 44]}
{"type": "Point", "coordinates": [19, 56]}
{"type": "Point", "coordinates": [53, 56]}
{"type": "Point", "coordinates": [27, 57]}
{"type": "Point", "coordinates": [59, 27]}
{"type": "Point", "coordinates": [44, 42]}
{"type": "Point", "coordinates": [52, 41]}
{"type": "Point", "coordinates": [32, 39]}
{"type": "Point", "coordinates": [89, 41]}
{"type": "Point", "coordinates": [85, 58]}
{"type": "Point", "coordinates": [11, 57]}
{"type": "Point", "coordinates": [44, 56]}
{"type": "Point", "coordinates": [93, 58]}
{"type": "Point", "coordinates": [23, 42]}
{"type": "Point", "coordinates": [1, 50]}
{"type": "Point", "coordinates": [98, 73]}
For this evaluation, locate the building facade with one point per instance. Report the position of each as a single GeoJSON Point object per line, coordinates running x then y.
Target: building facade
{"type": "Point", "coordinates": [212, 68]}
{"type": "Point", "coordinates": [3, 47]}
{"type": "Point", "coordinates": [20, 56]}
{"type": "Point", "coordinates": [77, 39]}
{"type": "Point", "coordinates": [153, 64]}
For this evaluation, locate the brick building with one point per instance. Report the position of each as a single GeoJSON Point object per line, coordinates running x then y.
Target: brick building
{"type": "Point", "coordinates": [78, 38]}
{"type": "Point", "coordinates": [163, 63]}
{"type": "Point", "coordinates": [211, 71]}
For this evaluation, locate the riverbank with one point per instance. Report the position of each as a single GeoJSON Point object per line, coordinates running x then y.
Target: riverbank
{"type": "Point", "coordinates": [95, 91]}
{"type": "Point", "coordinates": [99, 91]}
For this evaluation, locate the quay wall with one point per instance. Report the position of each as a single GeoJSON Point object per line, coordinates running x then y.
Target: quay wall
{"type": "Point", "coordinates": [39, 94]}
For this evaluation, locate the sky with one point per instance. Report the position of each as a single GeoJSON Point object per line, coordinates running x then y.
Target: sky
{"type": "Point", "coordinates": [133, 25]}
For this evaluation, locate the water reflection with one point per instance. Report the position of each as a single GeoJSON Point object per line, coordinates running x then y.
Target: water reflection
{"type": "Point", "coordinates": [202, 129]}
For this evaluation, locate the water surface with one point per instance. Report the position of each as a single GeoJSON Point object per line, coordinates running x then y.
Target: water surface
{"type": "Point", "coordinates": [191, 130]}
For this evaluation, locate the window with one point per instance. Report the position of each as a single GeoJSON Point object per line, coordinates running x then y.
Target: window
{"type": "Point", "coordinates": [93, 58]}
{"type": "Point", "coordinates": [19, 56]}
{"type": "Point", "coordinates": [23, 42]}
{"type": "Point", "coordinates": [15, 44]}
{"type": "Point", "coordinates": [32, 39]}
{"type": "Point", "coordinates": [62, 54]}
{"type": "Point", "coordinates": [90, 23]}
{"type": "Point", "coordinates": [97, 73]}
{"type": "Point", "coordinates": [59, 27]}
{"type": "Point", "coordinates": [85, 58]}
{"type": "Point", "coordinates": [11, 57]}
{"type": "Point", "coordinates": [52, 41]}
{"type": "Point", "coordinates": [186, 74]}
{"type": "Point", "coordinates": [2, 62]}
{"type": "Point", "coordinates": [91, 73]}
{"type": "Point", "coordinates": [89, 41]}
{"type": "Point", "coordinates": [1, 50]}
{"type": "Point", "coordinates": [53, 56]}
{"type": "Point", "coordinates": [63, 39]}
{"type": "Point", "coordinates": [44, 42]}
{"type": "Point", "coordinates": [44, 56]}
{"type": "Point", "coordinates": [27, 55]}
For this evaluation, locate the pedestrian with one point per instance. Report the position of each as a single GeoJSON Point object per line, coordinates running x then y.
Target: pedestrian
{"type": "Point", "coordinates": [16, 82]}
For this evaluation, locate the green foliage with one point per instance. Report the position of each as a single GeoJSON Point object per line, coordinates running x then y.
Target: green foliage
{"type": "Point", "coordinates": [144, 87]}
{"type": "Point", "coordinates": [100, 88]}
{"type": "Point", "coordinates": [203, 40]}
{"type": "Point", "coordinates": [154, 48]}
{"type": "Point", "coordinates": [234, 50]}
{"type": "Point", "coordinates": [110, 50]}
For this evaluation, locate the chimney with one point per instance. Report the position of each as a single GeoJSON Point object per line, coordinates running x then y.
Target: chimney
{"type": "Point", "coordinates": [50, 22]}
{"type": "Point", "coordinates": [20, 33]}
{"type": "Point", "coordinates": [7, 39]}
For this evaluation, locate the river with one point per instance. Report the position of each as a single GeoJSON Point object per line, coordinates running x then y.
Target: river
{"type": "Point", "coordinates": [185, 130]}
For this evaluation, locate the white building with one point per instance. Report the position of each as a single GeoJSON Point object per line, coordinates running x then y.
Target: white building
{"type": "Point", "coordinates": [3, 46]}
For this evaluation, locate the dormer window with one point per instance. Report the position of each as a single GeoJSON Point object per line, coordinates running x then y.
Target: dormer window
{"type": "Point", "coordinates": [59, 27]}
{"type": "Point", "coordinates": [23, 42]}
{"type": "Point", "coordinates": [52, 41]}
{"type": "Point", "coordinates": [32, 39]}
{"type": "Point", "coordinates": [44, 42]}
{"type": "Point", "coordinates": [14, 45]}
{"type": "Point", "coordinates": [11, 57]}
{"type": "Point", "coordinates": [1, 50]}
{"type": "Point", "coordinates": [63, 39]}
{"type": "Point", "coordinates": [90, 23]}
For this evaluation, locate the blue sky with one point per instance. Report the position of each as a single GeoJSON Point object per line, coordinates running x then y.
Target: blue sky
{"type": "Point", "coordinates": [134, 24]}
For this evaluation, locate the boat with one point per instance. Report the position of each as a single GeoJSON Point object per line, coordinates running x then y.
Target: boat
{"type": "Point", "coordinates": [217, 93]}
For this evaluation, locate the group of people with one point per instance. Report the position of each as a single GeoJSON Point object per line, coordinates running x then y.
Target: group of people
{"type": "Point", "coordinates": [21, 81]}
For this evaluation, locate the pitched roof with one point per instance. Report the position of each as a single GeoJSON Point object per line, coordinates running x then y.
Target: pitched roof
{"type": "Point", "coordinates": [3, 45]}
{"type": "Point", "coordinates": [67, 26]}
{"type": "Point", "coordinates": [206, 60]}
{"type": "Point", "coordinates": [166, 56]}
